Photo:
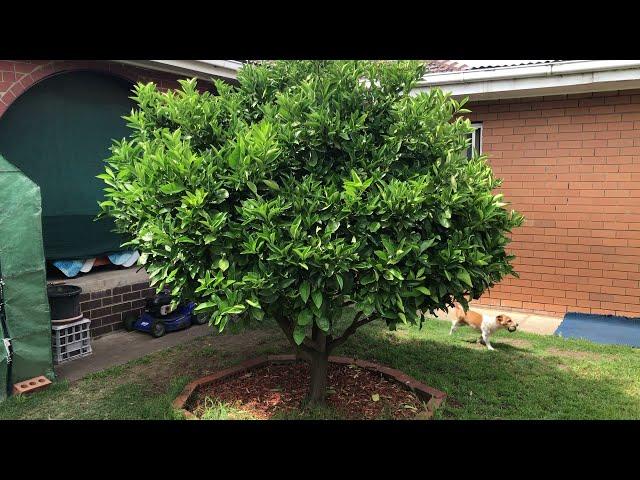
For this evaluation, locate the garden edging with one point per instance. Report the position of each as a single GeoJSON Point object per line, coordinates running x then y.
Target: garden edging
{"type": "Point", "coordinates": [431, 396]}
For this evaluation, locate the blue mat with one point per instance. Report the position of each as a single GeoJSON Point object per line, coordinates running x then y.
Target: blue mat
{"type": "Point", "coordinates": [606, 329]}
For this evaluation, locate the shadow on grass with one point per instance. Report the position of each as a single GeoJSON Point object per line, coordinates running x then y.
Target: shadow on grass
{"type": "Point", "coordinates": [508, 383]}
{"type": "Point", "coordinates": [503, 347]}
{"type": "Point", "coordinates": [526, 377]}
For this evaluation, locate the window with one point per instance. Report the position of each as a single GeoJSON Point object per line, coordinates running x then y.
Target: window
{"type": "Point", "coordinates": [476, 139]}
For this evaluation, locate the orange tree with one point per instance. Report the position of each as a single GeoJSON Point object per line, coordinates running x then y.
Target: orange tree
{"type": "Point", "coordinates": [310, 188]}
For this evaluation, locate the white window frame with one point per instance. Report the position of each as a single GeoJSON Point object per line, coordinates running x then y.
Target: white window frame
{"type": "Point", "coordinates": [477, 134]}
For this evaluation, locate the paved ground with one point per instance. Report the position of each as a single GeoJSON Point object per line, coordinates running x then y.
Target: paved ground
{"type": "Point", "coordinates": [120, 347]}
{"type": "Point", "coordinates": [529, 322]}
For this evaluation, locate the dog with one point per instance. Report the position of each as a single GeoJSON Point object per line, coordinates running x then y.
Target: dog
{"type": "Point", "coordinates": [485, 323]}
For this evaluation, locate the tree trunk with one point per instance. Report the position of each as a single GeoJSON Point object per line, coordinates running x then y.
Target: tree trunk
{"type": "Point", "coordinates": [318, 385]}
{"type": "Point", "coordinates": [319, 369]}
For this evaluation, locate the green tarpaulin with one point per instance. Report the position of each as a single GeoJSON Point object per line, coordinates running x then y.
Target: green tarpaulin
{"type": "Point", "coordinates": [26, 308]}
{"type": "Point", "coordinates": [4, 371]}
{"type": "Point", "coordinates": [58, 134]}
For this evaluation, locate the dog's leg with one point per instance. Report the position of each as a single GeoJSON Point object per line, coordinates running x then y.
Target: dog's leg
{"type": "Point", "coordinates": [485, 340]}
{"type": "Point", "coordinates": [454, 326]}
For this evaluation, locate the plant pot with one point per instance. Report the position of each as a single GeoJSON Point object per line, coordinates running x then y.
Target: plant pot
{"type": "Point", "coordinates": [64, 301]}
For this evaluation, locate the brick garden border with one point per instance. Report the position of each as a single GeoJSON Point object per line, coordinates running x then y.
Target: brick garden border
{"type": "Point", "coordinates": [430, 395]}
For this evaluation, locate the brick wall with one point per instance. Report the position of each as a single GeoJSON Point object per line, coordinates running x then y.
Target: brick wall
{"type": "Point", "coordinates": [571, 165]}
{"type": "Point", "coordinates": [16, 76]}
{"type": "Point", "coordinates": [106, 308]}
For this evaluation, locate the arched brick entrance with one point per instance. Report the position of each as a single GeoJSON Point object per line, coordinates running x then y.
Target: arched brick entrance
{"type": "Point", "coordinates": [16, 76]}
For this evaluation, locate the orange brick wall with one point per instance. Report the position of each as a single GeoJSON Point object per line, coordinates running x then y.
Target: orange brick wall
{"type": "Point", "coordinates": [571, 165]}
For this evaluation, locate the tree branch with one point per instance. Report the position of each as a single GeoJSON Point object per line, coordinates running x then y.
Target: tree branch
{"type": "Point", "coordinates": [358, 322]}
{"type": "Point", "coordinates": [303, 350]}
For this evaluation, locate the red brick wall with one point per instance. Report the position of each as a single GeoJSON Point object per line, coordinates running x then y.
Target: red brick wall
{"type": "Point", "coordinates": [107, 308]}
{"type": "Point", "coordinates": [16, 76]}
{"type": "Point", "coordinates": [571, 165]}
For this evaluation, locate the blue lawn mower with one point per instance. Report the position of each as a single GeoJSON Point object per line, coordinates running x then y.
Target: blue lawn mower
{"type": "Point", "coordinates": [157, 318]}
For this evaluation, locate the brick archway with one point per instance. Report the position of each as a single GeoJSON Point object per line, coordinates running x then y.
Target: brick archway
{"type": "Point", "coordinates": [17, 76]}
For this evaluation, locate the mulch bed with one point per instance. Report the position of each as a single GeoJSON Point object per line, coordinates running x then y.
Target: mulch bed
{"type": "Point", "coordinates": [280, 388]}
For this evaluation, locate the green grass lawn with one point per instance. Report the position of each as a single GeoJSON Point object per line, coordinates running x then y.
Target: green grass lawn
{"type": "Point", "coordinates": [528, 376]}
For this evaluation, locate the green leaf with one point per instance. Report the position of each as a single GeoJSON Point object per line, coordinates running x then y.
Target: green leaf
{"type": "Point", "coordinates": [340, 281]}
{"type": "Point", "coordinates": [172, 188]}
{"type": "Point", "coordinates": [396, 273]}
{"type": "Point", "coordinates": [444, 221]}
{"type": "Point", "coordinates": [205, 306]}
{"type": "Point", "coordinates": [323, 323]}
{"type": "Point", "coordinates": [367, 279]}
{"type": "Point", "coordinates": [426, 244]}
{"type": "Point", "coordinates": [223, 264]}
{"type": "Point", "coordinates": [424, 290]}
{"type": "Point", "coordinates": [316, 296]}
{"type": "Point", "coordinates": [305, 288]}
{"type": "Point", "coordinates": [332, 227]}
{"type": "Point", "coordinates": [271, 184]}
{"type": "Point", "coordinates": [305, 317]}
{"type": "Point", "coordinates": [464, 276]}
{"type": "Point", "coordinates": [235, 309]}
{"type": "Point", "coordinates": [298, 334]}
{"type": "Point", "coordinates": [374, 227]}
{"type": "Point", "coordinates": [252, 303]}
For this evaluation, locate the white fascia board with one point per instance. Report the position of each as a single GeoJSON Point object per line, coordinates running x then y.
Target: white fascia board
{"type": "Point", "coordinates": [203, 69]}
{"type": "Point", "coordinates": [527, 81]}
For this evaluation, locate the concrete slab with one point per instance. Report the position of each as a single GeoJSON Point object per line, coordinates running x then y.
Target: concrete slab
{"type": "Point", "coordinates": [121, 347]}
{"type": "Point", "coordinates": [96, 281]}
{"type": "Point", "coordinates": [529, 322]}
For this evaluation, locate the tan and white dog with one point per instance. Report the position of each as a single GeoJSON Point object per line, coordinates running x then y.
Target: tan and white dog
{"type": "Point", "coordinates": [485, 323]}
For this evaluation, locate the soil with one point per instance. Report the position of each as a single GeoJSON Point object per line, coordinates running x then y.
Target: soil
{"type": "Point", "coordinates": [353, 392]}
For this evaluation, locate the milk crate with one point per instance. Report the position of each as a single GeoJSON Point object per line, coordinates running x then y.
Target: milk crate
{"type": "Point", "coordinates": [71, 341]}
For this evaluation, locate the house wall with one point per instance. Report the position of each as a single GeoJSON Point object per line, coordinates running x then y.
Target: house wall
{"type": "Point", "coordinates": [105, 307]}
{"type": "Point", "coordinates": [571, 165]}
{"type": "Point", "coordinates": [16, 76]}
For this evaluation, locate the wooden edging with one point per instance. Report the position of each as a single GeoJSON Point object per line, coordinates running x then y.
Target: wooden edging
{"type": "Point", "coordinates": [430, 395]}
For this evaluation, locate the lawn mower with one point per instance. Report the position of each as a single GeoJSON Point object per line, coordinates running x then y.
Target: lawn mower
{"type": "Point", "coordinates": [158, 318]}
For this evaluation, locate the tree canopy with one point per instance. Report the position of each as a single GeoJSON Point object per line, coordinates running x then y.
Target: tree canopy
{"type": "Point", "coordinates": [310, 188]}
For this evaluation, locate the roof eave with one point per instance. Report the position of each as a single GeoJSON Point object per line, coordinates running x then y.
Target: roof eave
{"type": "Point", "coordinates": [578, 76]}
{"type": "Point", "coordinates": [202, 69]}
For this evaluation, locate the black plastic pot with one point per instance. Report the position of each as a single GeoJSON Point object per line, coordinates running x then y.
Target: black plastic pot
{"type": "Point", "coordinates": [64, 301]}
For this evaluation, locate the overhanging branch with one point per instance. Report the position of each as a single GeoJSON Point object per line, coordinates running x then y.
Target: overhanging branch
{"type": "Point", "coordinates": [305, 349]}
{"type": "Point", "coordinates": [351, 329]}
